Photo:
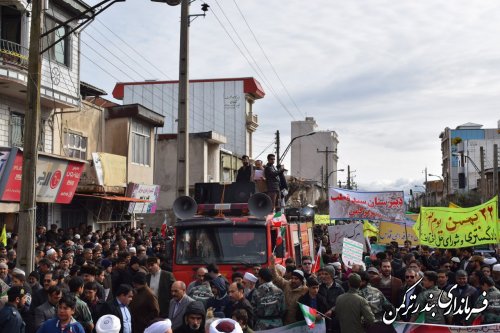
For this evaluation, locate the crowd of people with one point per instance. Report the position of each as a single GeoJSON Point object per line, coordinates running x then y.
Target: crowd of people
{"type": "Point", "coordinates": [122, 275]}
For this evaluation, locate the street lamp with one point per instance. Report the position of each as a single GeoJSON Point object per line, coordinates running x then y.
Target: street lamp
{"type": "Point", "coordinates": [328, 177]}
{"type": "Point", "coordinates": [280, 158]}
{"type": "Point", "coordinates": [431, 175]}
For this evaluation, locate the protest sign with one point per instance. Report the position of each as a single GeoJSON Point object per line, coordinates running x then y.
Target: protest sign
{"type": "Point", "coordinates": [321, 219]}
{"type": "Point", "coordinates": [337, 233]}
{"type": "Point", "coordinates": [446, 228]}
{"type": "Point", "coordinates": [390, 232]}
{"type": "Point", "coordinates": [352, 252]}
{"type": "Point", "coordinates": [377, 206]}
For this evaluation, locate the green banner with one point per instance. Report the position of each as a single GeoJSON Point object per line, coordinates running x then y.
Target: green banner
{"type": "Point", "coordinates": [447, 228]}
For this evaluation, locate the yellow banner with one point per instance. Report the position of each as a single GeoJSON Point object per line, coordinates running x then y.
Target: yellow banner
{"type": "Point", "coordinates": [447, 228]}
{"type": "Point", "coordinates": [390, 232]}
{"type": "Point", "coordinates": [453, 205]}
{"type": "Point", "coordinates": [322, 219]}
{"type": "Point", "coordinates": [369, 229]}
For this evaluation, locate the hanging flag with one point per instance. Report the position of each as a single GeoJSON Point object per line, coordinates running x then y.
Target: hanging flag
{"type": "Point", "coordinates": [309, 314]}
{"type": "Point", "coordinates": [318, 261]}
{"type": "Point", "coordinates": [279, 238]}
{"type": "Point", "coordinates": [3, 236]}
{"type": "Point", "coordinates": [164, 227]}
{"type": "Point", "coordinates": [276, 221]}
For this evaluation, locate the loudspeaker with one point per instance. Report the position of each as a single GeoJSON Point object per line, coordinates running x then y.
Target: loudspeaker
{"type": "Point", "coordinates": [207, 193]}
{"type": "Point", "coordinates": [260, 205]}
{"type": "Point", "coordinates": [185, 207]}
{"type": "Point", "coordinates": [238, 192]}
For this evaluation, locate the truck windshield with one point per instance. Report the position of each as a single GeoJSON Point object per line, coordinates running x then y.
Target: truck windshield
{"type": "Point", "coordinates": [221, 245]}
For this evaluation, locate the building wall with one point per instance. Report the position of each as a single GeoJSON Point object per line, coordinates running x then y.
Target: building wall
{"type": "Point", "coordinates": [213, 106]}
{"type": "Point", "coordinates": [10, 105]}
{"type": "Point", "coordinates": [203, 166]}
{"type": "Point", "coordinates": [117, 140]}
{"type": "Point", "coordinates": [86, 121]}
{"type": "Point", "coordinates": [306, 162]}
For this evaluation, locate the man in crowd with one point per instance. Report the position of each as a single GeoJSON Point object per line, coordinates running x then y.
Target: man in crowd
{"type": "Point", "coordinates": [178, 304]}
{"type": "Point", "coordinates": [48, 309]}
{"type": "Point", "coordinates": [463, 293]}
{"type": "Point", "coordinates": [430, 298]}
{"type": "Point", "coordinates": [10, 318]}
{"type": "Point", "coordinates": [388, 284]}
{"type": "Point", "coordinates": [352, 310]}
{"type": "Point", "coordinates": [144, 306]}
{"type": "Point", "coordinates": [331, 290]}
{"type": "Point", "coordinates": [268, 302]}
{"type": "Point", "coordinates": [193, 320]}
{"type": "Point", "coordinates": [238, 301]}
{"type": "Point", "coordinates": [160, 282]}
{"type": "Point", "coordinates": [118, 307]}
{"type": "Point", "coordinates": [377, 301]}
{"type": "Point", "coordinates": [409, 289]}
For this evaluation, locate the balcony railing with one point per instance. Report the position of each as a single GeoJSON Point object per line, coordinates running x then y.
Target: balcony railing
{"type": "Point", "coordinates": [13, 54]}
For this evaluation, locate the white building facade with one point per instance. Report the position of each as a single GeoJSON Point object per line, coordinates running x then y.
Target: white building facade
{"type": "Point", "coordinates": [314, 157]}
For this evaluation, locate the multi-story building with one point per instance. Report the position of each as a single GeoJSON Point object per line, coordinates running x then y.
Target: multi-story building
{"type": "Point", "coordinates": [60, 89]}
{"type": "Point", "coordinates": [221, 125]}
{"type": "Point", "coordinates": [314, 157]}
{"type": "Point", "coordinates": [461, 164]}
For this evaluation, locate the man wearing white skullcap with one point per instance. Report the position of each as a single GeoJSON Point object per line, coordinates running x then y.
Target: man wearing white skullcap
{"type": "Point", "coordinates": [495, 274]}
{"type": "Point", "coordinates": [225, 325]}
{"type": "Point", "coordinates": [163, 326]}
{"type": "Point", "coordinates": [249, 281]}
{"type": "Point", "coordinates": [108, 324]}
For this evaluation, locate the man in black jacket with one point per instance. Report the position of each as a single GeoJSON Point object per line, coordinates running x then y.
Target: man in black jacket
{"type": "Point", "coordinates": [273, 179]}
{"type": "Point", "coordinates": [194, 319]}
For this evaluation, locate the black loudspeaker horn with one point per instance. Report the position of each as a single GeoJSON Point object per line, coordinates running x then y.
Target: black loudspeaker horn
{"type": "Point", "coordinates": [260, 205]}
{"type": "Point", "coordinates": [185, 207]}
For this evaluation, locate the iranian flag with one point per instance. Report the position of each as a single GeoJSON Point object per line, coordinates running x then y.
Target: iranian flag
{"type": "Point", "coordinates": [318, 262]}
{"type": "Point", "coordinates": [276, 221]}
{"type": "Point", "coordinates": [279, 237]}
{"type": "Point", "coordinates": [164, 227]}
{"type": "Point", "coordinates": [309, 314]}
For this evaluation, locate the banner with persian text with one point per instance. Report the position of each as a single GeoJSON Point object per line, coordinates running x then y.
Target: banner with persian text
{"type": "Point", "coordinates": [376, 206]}
{"type": "Point", "coordinates": [393, 232]}
{"type": "Point", "coordinates": [444, 227]}
{"type": "Point", "coordinates": [337, 233]}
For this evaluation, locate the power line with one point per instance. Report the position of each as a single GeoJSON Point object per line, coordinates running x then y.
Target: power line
{"type": "Point", "coordinates": [251, 65]}
{"type": "Point", "coordinates": [267, 58]}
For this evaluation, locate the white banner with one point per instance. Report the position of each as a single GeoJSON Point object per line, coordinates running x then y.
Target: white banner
{"type": "Point", "coordinates": [337, 233]}
{"type": "Point", "coordinates": [377, 206]}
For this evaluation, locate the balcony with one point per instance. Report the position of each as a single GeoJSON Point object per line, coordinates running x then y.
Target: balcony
{"type": "Point", "coordinates": [14, 77]}
{"type": "Point", "coordinates": [12, 54]}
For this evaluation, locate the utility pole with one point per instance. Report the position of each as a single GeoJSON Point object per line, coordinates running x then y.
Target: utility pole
{"type": "Point", "coordinates": [348, 185]}
{"type": "Point", "coordinates": [27, 206]}
{"type": "Point", "coordinates": [327, 153]}
{"type": "Point", "coordinates": [495, 171]}
{"type": "Point", "coordinates": [426, 189]}
{"type": "Point", "coordinates": [322, 179]}
{"type": "Point", "coordinates": [278, 162]}
{"type": "Point", "coordinates": [183, 108]}
{"type": "Point", "coordinates": [482, 182]}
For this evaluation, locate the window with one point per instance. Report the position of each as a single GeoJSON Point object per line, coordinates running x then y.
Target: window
{"type": "Point", "coordinates": [17, 132]}
{"type": "Point", "coordinates": [75, 145]}
{"type": "Point", "coordinates": [141, 142]}
{"type": "Point", "coordinates": [60, 51]}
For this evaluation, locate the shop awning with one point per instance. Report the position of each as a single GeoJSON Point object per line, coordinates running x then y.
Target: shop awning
{"type": "Point", "coordinates": [111, 197]}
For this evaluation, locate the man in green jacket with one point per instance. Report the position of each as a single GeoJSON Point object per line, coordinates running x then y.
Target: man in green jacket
{"type": "Point", "coordinates": [352, 310]}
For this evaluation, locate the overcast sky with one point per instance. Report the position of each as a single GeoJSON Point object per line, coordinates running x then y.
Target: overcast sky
{"type": "Point", "coordinates": [387, 76]}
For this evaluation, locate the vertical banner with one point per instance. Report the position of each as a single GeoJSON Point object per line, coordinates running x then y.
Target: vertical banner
{"type": "Point", "coordinates": [376, 206]}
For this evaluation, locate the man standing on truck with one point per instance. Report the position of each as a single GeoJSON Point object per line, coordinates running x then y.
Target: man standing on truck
{"type": "Point", "coordinates": [245, 172]}
{"type": "Point", "coordinates": [273, 179]}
